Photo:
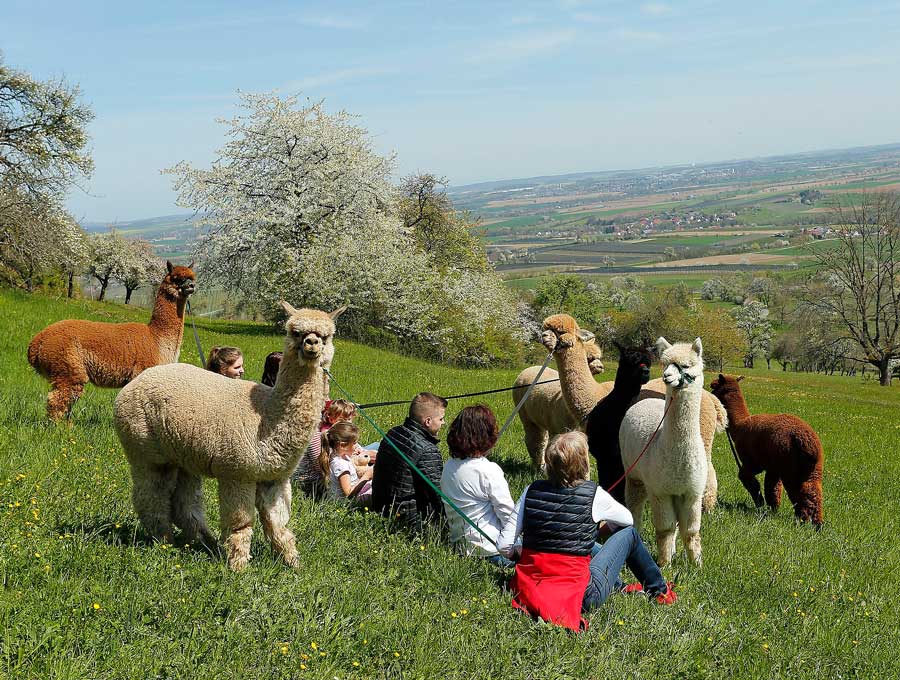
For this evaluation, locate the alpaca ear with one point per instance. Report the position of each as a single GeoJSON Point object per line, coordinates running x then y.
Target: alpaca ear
{"type": "Point", "coordinates": [739, 378]}
{"type": "Point", "coordinates": [618, 346]}
{"type": "Point", "coordinates": [662, 345]}
{"type": "Point", "coordinates": [337, 312]}
{"type": "Point", "coordinates": [721, 378]}
{"type": "Point", "coordinates": [584, 336]}
{"type": "Point", "coordinates": [169, 266]}
{"type": "Point", "coordinates": [191, 265]}
{"type": "Point", "coordinates": [697, 347]}
{"type": "Point", "coordinates": [290, 311]}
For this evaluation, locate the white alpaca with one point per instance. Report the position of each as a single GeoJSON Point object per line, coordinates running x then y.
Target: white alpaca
{"type": "Point", "coordinates": [545, 413]}
{"type": "Point", "coordinates": [179, 423]}
{"type": "Point", "coordinates": [673, 471]}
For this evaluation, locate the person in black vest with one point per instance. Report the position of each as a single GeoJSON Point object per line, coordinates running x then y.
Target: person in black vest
{"type": "Point", "coordinates": [561, 571]}
{"type": "Point", "coordinates": [399, 492]}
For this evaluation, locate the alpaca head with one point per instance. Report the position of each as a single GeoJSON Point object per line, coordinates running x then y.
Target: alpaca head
{"type": "Point", "coordinates": [725, 385]}
{"type": "Point", "coordinates": [561, 331]}
{"type": "Point", "coordinates": [310, 334]}
{"type": "Point", "coordinates": [634, 364]}
{"type": "Point", "coordinates": [683, 363]}
{"type": "Point", "coordinates": [594, 356]}
{"type": "Point", "coordinates": [179, 282]}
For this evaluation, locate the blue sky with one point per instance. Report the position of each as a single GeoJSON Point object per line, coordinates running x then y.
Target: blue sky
{"type": "Point", "coordinates": [471, 90]}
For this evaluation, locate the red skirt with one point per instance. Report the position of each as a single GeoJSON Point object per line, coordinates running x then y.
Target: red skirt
{"type": "Point", "coordinates": [551, 586]}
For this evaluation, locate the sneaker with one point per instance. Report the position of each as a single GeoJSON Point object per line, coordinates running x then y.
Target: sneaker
{"type": "Point", "coordinates": [668, 597]}
{"type": "Point", "coordinates": [633, 588]}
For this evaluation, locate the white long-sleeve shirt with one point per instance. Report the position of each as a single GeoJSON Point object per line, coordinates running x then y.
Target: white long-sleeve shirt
{"type": "Point", "coordinates": [479, 489]}
{"type": "Point", "coordinates": [605, 508]}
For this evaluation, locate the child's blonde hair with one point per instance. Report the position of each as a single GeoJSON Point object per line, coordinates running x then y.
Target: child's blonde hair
{"type": "Point", "coordinates": [566, 460]}
{"type": "Point", "coordinates": [339, 410]}
{"type": "Point", "coordinates": [339, 433]}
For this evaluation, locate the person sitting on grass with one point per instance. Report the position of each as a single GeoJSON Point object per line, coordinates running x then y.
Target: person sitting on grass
{"type": "Point", "coordinates": [475, 484]}
{"type": "Point", "coordinates": [335, 460]}
{"type": "Point", "coordinates": [227, 361]}
{"type": "Point", "coordinates": [399, 492]}
{"type": "Point", "coordinates": [561, 572]}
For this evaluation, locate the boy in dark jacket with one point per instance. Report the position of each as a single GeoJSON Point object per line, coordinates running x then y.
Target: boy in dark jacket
{"type": "Point", "coordinates": [399, 492]}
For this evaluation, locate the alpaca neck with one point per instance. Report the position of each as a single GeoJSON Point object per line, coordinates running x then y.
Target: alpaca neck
{"type": "Point", "coordinates": [168, 315]}
{"type": "Point", "coordinates": [736, 407]}
{"type": "Point", "coordinates": [293, 410]}
{"type": "Point", "coordinates": [682, 423]}
{"type": "Point", "coordinates": [576, 381]}
{"type": "Point", "coordinates": [625, 386]}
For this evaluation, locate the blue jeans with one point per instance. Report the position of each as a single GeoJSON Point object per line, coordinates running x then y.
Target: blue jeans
{"type": "Point", "coordinates": [500, 561]}
{"type": "Point", "coordinates": [623, 547]}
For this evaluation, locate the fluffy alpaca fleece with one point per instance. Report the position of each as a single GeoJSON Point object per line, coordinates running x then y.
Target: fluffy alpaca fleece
{"type": "Point", "coordinates": [602, 425]}
{"type": "Point", "coordinates": [581, 392]}
{"type": "Point", "coordinates": [783, 446]}
{"type": "Point", "coordinates": [178, 423]}
{"type": "Point", "coordinates": [545, 414]}
{"type": "Point", "coordinates": [73, 352]}
{"type": "Point", "coordinates": [673, 470]}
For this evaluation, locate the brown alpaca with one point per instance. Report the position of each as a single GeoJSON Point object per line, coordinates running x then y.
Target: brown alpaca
{"type": "Point", "coordinates": [782, 445]}
{"type": "Point", "coordinates": [562, 336]}
{"type": "Point", "coordinates": [72, 352]}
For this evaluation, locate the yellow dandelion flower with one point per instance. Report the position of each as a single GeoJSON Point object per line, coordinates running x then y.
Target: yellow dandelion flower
{"type": "Point", "coordinates": [397, 654]}
{"type": "Point", "coordinates": [365, 642]}
{"type": "Point", "coordinates": [313, 645]}
{"type": "Point", "coordinates": [463, 611]}
{"type": "Point", "coordinates": [453, 615]}
{"type": "Point", "coordinates": [620, 622]}
{"type": "Point", "coordinates": [321, 653]}
{"type": "Point", "coordinates": [96, 605]}
{"type": "Point", "coordinates": [709, 639]}
{"type": "Point", "coordinates": [356, 664]}
{"type": "Point", "coordinates": [765, 646]}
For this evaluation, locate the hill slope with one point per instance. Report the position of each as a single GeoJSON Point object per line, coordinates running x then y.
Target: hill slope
{"type": "Point", "coordinates": [85, 594]}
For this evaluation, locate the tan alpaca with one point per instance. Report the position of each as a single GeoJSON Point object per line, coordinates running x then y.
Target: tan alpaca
{"type": "Point", "coordinates": [73, 352]}
{"type": "Point", "coordinates": [566, 340]}
{"type": "Point", "coordinates": [179, 423]}
{"type": "Point", "coordinates": [545, 414]}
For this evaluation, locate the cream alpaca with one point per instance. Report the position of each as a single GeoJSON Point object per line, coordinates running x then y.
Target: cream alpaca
{"type": "Point", "coordinates": [545, 414]}
{"type": "Point", "coordinates": [581, 392]}
{"type": "Point", "coordinates": [178, 423]}
{"type": "Point", "coordinates": [673, 470]}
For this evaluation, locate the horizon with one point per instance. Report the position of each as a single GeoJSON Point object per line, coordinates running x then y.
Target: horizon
{"type": "Point", "coordinates": [508, 90]}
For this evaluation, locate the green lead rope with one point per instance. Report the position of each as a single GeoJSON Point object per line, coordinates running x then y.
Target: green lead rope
{"type": "Point", "coordinates": [408, 461]}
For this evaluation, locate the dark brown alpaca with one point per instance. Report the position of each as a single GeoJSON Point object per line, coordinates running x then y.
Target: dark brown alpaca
{"type": "Point", "coordinates": [783, 446]}
{"type": "Point", "coordinates": [72, 352]}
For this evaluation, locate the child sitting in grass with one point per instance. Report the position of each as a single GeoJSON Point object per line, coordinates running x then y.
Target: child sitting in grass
{"type": "Point", "coordinates": [338, 446]}
{"type": "Point", "coordinates": [562, 572]}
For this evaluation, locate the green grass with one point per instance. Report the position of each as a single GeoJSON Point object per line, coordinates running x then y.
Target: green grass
{"type": "Point", "coordinates": [85, 595]}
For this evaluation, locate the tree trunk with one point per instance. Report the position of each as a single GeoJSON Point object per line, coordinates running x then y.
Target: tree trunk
{"type": "Point", "coordinates": [71, 284]}
{"type": "Point", "coordinates": [768, 363]}
{"type": "Point", "coordinates": [103, 284]}
{"type": "Point", "coordinates": [884, 371]}
{"type": "Point", "coordinates": [128, 292]}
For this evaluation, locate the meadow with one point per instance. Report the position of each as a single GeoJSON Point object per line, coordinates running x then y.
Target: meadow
{"type": "Point", "coordinates": [85, 594]}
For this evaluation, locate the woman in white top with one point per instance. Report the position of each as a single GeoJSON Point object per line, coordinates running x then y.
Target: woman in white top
{"type": "Point", "coordinates": [475, 484]}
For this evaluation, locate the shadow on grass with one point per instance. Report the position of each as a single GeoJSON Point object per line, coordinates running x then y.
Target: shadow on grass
{"type": "Point", "coordinates": [236, 328]}
{"type": "Point", "coordinates": [743, 507]}
{"type": "Point", "coordinates": [130, 534]}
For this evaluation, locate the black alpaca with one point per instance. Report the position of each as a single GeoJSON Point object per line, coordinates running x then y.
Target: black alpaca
{"type": "Point", "coordinates": [602, 426]}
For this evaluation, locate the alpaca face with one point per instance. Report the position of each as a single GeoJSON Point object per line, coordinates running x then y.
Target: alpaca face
{"type": "Point", "coordinates": [683, 363]}
{"type": "Point", "coordinates": [724, 385]}
{"type": "Point", "coordinates": [310, 334]}
{"type": "Point", "coordinates": [180, 282]}
{"type": "Point", "coordinates": [634, 363]}
{"type": "Point", "coordinates": [594, 354]}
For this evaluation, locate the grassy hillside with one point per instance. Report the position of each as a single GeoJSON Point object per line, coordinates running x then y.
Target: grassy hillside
{"type": "Point", "coordinates": [86, 595]}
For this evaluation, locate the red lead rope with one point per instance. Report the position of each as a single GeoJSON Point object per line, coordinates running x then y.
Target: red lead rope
{"type": "Point", "coordinates": [646, 446]}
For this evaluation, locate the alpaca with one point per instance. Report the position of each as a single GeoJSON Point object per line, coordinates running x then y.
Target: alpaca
{"type": "Point", "coordinates": [566, 340]}
{"type": "Point", "coordinates": [545, 413]}
{"type": "Point", "coordinates": [673, 470]}
{"type": "Point", "coordinates": [783, 446]}
{"type": "Point", "coordinates": [602, 425]}
{"type": "Point", "coordinates": [178, 423]}
{"type": "Point", "coordinates": [73, 352]}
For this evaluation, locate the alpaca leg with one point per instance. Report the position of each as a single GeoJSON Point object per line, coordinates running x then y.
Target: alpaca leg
{"type": "Point", "coordinates": [187, 509]}
{"type": "Point", "coordinates": [711, 492]}
{"type": "Point", "coordinates": [635, 497]}
{"type": "Point", "coordinates": [273, 501]}
{"type": "Point", "coordinates": [535, 441]}
{"type": "Point", "coordinates": [664, 519]}
{"type": "Point", "coordinates": [61, 398]}
{"type": "Point", "coordinates": [236, 519]}
{"type": "Point", "coordinates": [689, 510]}
{"type": "Point", "coordinates": [773, 486]}
{"type": "Point", "coordinates": [748, 479]}
{"type": "Point", "coordinates": [152, 497]}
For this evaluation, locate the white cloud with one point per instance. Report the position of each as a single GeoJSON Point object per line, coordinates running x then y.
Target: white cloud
{"type": "Point", "coordinates": [655, 9]}
{"type": "Point", "coordinates": [333, 77]}
{"type": "Point", "coordinates": [632, 35]}
{"type": "Point", "coordinates": [523, 46]}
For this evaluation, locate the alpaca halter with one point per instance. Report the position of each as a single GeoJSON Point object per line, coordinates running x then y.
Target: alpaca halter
{"type": "Point", "coordinates": [685, 379]}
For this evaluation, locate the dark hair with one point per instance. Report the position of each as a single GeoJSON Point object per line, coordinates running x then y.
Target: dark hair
{"type": "Point", "coordinates": [270, 368]}
{"type": "Point", "coordinates": [221, 357]}
{"type": "Point", "coordinates": [473, 432]}
{"type": "Point", "coordinates": [423, 404]}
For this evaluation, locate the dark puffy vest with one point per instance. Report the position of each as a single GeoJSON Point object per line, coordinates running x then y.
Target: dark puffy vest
{"type": "Point", "coordinates": [558, 519]}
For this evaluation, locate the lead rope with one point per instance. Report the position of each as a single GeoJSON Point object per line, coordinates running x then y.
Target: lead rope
{"type": "Point", "coordinates": [733, 450]}
{"type": "Point", "coordinates": [196, 337]}
{"type": "Point", "coordinates": [524, 397]}
{"type": "Point", "coordinates": [646, 446]}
